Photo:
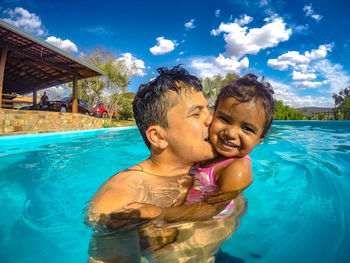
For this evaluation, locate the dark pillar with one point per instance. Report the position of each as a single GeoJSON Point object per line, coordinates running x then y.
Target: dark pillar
{"type": "Point", "coordinates": [35, 95]}
{"type": "Point", "coordinates": [2, 71]}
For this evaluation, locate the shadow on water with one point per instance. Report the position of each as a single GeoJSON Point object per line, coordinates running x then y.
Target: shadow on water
{"type": "Point", "coordinates": [223, 257]}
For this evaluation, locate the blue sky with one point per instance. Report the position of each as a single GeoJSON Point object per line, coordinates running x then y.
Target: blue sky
{"type": "Point", "coordinates": [301, 47]}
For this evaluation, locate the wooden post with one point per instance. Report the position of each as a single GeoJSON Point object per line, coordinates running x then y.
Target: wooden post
{"type": "Point", "coordinates": [2, 71]}
{"type": "Point", "coordinates": [35, 95]}
{"type": "Point", "coordinates": [75, 95]}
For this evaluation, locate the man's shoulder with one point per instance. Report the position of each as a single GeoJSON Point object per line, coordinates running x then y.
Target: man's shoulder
{"type": "Point", "coordinates": [119, 190]}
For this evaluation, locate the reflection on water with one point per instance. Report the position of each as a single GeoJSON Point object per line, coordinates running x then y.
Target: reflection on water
{"type": "Point", "coordinates": [196, 241]}
{"type": "Point", "coordinates": [299, 203]}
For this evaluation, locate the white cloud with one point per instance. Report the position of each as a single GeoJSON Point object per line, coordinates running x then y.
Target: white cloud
{"type": "Point", "coordinates": [335, 75]}
{"type": "Point", "coordinates": [285, 93]}
{"type": "Point", "coordinates": [135, 66]}
{"type": "Point", "coordinates": [99, 30]}
{"type": "Point", "coordinates": [181, 53]}
{"type": "Point", "coordinates": [291, 58]}
{"type": "Point", "coordinates": [309, 11]}
{"type": "Point", "coordinates": [321, 52]}
{"type": "Point", "coordinates": [263, 3]}
{"type": "Point", "coordinates": [217, 13]}
{"type": "Point", "coordinates": [204, 67]}
{"type": "Point", "coordinates": [231, 64]}
{"type": "Point", "coordinates": [164, 46]}
{"type": "Point", "coordinates": [303, 76]}
{"type": "Point", "coordinates": [298, 61]}
{"type": "Point", "coordinates": [302, 29]}
{"type": "Point", "coordinates": [312, 70]}
{"type": "Point", "coordinates": [240, 41]}
{"type": "Point", "coordinates": [244, 20]}
{"type": "Point", "coordinates": [56, 93]}
{"type": "Point", "coordinates": [190, 24]}
{"type": "Point", "coordinates": [65, 45]}
{"type": "Point", "coordinates": [22, 18]}
{"type": "Point", "coordinates": [210, 66]}
{"type": "Point", "coordinates": [311, 84]}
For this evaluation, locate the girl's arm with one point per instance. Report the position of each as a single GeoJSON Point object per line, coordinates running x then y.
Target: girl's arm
{"type": "Point", "coordinates": [204, 210]}
{"type": "Point", "coordinates": [236, 177]}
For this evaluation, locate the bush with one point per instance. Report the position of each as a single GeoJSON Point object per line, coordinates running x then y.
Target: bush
{"type": "Point", "coordinates": [124, 106]}
{"type": "Point", "coordinates": [107, 124]}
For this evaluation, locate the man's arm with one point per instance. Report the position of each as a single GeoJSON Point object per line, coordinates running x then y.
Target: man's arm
{"type": "Point", "coordinates": [204, 210]}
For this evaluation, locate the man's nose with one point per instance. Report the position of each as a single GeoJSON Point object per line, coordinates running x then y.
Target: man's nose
{"type": "Point", "coordinates": [208, 118]}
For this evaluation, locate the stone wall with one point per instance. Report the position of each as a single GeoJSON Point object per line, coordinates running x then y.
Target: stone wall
{"type": "Point", "coordinates": [27, 121]}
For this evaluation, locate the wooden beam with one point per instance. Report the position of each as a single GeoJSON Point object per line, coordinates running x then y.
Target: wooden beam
{"type": "Point", "coordinates": [28, 46]}
{"type": "Point", "coordinates": [5, 35]}
{"type": "Point", "coordinates": [48, 80]}
{"type": "Point", "coordinates": [37, 58]}
{"type": "Point", "coordinates": [75, 95]}
{"type": "Point", "coordinates": [50, 56]}
{"type": "Point", "coordinates": [2, 70]}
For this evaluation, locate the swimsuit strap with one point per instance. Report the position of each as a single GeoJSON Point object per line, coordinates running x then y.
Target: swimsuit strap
{"type": "Point", "coordinates": [225, 161]}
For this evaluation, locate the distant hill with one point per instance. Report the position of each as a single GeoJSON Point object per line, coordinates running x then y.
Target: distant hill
{"type": "Point", "coordinates": [309, 111]}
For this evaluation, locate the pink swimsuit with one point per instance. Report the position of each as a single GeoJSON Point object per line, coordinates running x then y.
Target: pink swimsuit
{"type": "Point", "coordinates": [204, 186]}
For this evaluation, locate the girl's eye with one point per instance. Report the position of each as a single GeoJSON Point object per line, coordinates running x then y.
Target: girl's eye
{"type": "Point", "coordinates": [248, 129]}
{"type": "Point", "coordinates": [195, 115]}
{"type": "Point", "coordinates": [223, 118]}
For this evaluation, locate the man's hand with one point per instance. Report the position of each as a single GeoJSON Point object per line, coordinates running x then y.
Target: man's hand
{"type": "Point", "coordinates": [222, 197]}
{"type": "Point", "coordinates": [147, 211]}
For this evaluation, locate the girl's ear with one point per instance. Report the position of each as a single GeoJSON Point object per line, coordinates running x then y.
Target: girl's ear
{"type": "Point", "coordinates": [156, 136]}
{"type": "Point", "coordinates": [259, 141]}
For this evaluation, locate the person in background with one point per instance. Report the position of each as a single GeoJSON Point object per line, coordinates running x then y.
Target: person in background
{"type": "Point", "coordinates": [44, 99]}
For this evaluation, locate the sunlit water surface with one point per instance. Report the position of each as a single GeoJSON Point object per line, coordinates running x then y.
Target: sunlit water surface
{"type": "Point", "coordinates": [298, 205]}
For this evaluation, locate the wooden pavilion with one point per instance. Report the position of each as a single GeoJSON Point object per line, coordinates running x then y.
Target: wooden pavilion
{"type": "Point", "coordinates": [29, 64]}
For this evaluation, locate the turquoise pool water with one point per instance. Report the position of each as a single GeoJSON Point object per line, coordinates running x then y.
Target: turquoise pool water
{"type": "Point", "coordinates": [298, 205]}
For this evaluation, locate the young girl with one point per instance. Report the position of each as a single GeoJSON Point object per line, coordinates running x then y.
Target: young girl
{"type": "Point", "coordinates": [243, 115]}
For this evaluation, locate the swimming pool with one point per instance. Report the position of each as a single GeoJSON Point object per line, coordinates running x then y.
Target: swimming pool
{"type": "Point", "coordinates": [298, 205]}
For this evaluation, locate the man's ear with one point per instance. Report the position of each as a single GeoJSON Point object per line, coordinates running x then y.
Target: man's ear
{"type": "Point", "coordinates": [156, 136]}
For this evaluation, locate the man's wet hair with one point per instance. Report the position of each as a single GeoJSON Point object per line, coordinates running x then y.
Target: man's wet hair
{"type": "Point", "coordinates": [155, 98]}
{"type": "Point", "coordinates": [248, 88]}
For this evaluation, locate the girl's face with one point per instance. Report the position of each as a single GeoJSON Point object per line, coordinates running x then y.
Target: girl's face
{"type": "Point", "coordinates": [236, 127]}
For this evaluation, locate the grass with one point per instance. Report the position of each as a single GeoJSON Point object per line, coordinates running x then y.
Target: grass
{"type": "Point", "coordinates": [118, 123]}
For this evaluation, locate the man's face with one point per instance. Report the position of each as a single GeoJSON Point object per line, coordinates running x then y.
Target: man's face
{"type": "Point", "coordinates": [188, 129]}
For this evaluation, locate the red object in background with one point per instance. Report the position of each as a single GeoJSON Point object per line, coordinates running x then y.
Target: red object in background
{"type": "Point", "coordinates": [101, 111]}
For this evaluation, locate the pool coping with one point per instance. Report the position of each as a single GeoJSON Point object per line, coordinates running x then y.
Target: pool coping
{"type": "Point", "coordinates": [8, 139]}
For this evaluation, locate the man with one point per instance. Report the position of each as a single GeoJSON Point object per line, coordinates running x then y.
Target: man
{"type": "Point", "coordinates": [172, 116]}
{"type": "Point", "coordinates": [44, 99]}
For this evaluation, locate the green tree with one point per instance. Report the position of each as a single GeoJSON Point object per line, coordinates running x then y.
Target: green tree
{"type": "Point", "coordinates": [228, 78]}
{"type": "Point", "coordinates": [115, 80]}
{"type": "Point", "coordinates": [212, 86]}
{"type": "Point", "coordinates": [123, 105]}
{"type": "Point", "coordinates": [342, 104]}
{"type": "Point", "coordinates": [284, 112]}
